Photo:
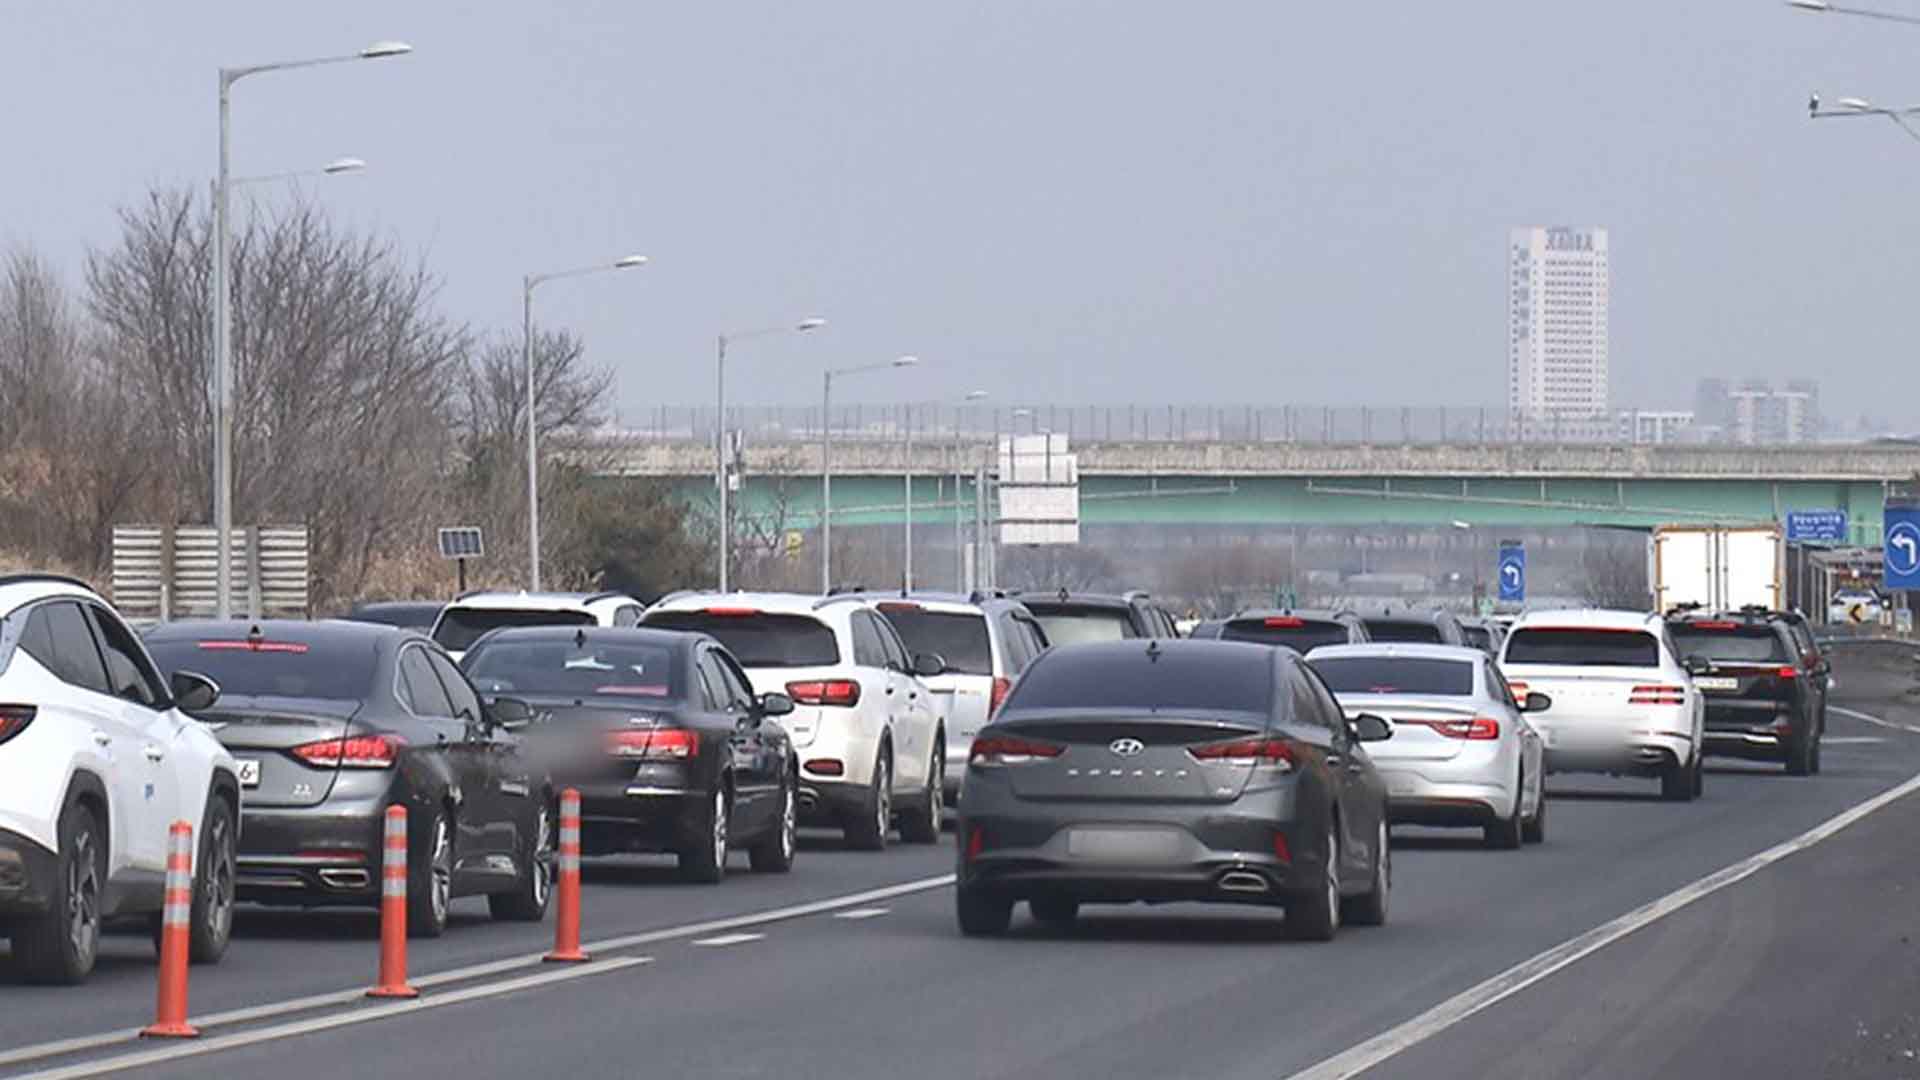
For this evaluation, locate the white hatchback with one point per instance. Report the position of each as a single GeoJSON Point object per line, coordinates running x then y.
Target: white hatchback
{"type": "Point", "coordinates": [1622, 702]}
{"type": "Point", "coordinates": [99, 761]}
{"type": "Point", "coordinates": [464, 621]}
{"type": "Point", "coordinates": [870, 732]}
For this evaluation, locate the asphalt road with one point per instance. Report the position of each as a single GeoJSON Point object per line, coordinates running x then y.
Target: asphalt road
{"type": "Point", "coordinates": [1808, 966]}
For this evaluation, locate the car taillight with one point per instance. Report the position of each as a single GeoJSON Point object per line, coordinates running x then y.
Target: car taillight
{"type": "Point", "coordinates": [841, 692]}
{"type": "Point", "coordinates": [897, 606]}
{"type": "Point", "coordinates": [653, 744]}
{"type": "Point", "coordinates": [1287, 622]}
{"type": "Point", "coordinates": [733, 612]}
{"type": "Point", "coordinates": [1716, 626]}
{"type": "Point", "coordinates": [1478, 729]}
{"type": "Point", "coordinates": [1268, 753]}
{"type": "Point", "coordinates": [1657, 695]}
{"type": "Point", "coordinates": [1788, 673]}
{"type": "Point", "coordinates": [1001, 684]}
{"type": "Point", "coordinates": [254, 645]}
{"type": "Point", "coordinates": [1011, 750]}
{"type": "Point", "coordinates": [14, 720]}
{"type": "Point", "coordinates": [354, 752]}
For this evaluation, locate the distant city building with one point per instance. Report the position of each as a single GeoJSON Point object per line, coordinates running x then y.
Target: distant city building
{"type": "Point", "coordinates": [1653, 426]}
{"type": "Point", "coordinates": [1557, 284]}
{"type": "Point", "coordinates": [1752, 412]}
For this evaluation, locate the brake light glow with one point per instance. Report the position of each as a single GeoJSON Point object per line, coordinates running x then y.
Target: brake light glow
{"type": "Point", "coordinates": [1280, 849]}
{"type": "Point", "coordinates": [354, 752]}
{"type": "Point", "coordinates": [1266, 753]}
{"type": "Point", "coordinates": [976, 843]}
{"type": "Point", "coordinates": [14, 720]}
{"type": "Point", "coordinates": [840, 692]}
{"type": "Point", "coordinates": [1478, 729]}
{"type": "Point", "coordinates": [653, 744]}
{"type": "Point", "coordinates": [1788, 672]}
{"type": "Point", "coordinates": [1285, 622]}
{"type": "Point", "coordinates": [897, 605]}
{"type": "Point", "coordinates": [994, 750]}
{"type": "Point", "coordinates": [255, 645]}
{"type": "Point", "coordinates": [733, 612]}
{"type": "Point", "coordinates": [1001, 684]}
{"type": "Point", "coordinates": [1715, 625]}
{"type": "Point", "coordinates": [827, 766]}
{"type": "Point", "coordinates": [1657, 695]}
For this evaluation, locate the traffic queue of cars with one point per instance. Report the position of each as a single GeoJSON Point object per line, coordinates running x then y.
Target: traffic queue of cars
{"type": "Point", "coordinates": [1095, 757]}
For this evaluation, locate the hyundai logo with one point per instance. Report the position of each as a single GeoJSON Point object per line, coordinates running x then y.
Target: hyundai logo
{"type": "Point", "coordinates": [1127, 747]}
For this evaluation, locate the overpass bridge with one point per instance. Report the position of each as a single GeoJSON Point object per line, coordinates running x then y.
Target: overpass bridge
{"type": "Point", "coordinates": [1253, 483]}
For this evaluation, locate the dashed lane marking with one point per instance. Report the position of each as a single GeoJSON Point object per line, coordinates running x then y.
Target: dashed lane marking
{"type": "Point", "coordinates": [863, 913]}
{"type": "Point", "coordinates": [728, 939]}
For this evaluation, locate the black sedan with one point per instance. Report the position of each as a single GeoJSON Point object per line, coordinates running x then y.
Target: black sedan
{"type": "Point", "coordinates": [333, 722]}
{"type": "Point", "coordinates": [662, 734]}
{"type": "Point", "coordinates": [1161, 771]}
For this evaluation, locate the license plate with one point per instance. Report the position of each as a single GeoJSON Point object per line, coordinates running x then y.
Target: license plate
{"type": "Point", "coordinates": [1124, 845]}
{"type": "Point", "coordinates": [1716, 682]}
{"type": "Point", "coordinates": [249, 772]}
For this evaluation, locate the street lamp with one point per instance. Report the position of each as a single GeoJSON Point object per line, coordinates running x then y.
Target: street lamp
{"type": "Point", "coordinates": [1853, 106]}
{"type": "Point", "coordinates": [332, 168]}
{"type": "Point", "coordinates": [533, 455]}
{"type": "Point", "coordinates": [907, 475]}
{"type": "Point", "coordinates": [222, 318]}
{"type": "Point", "coordinates": [1825, 8]}
{"type": "Point", "coordinates": [959, 545]}
{"type": "Point", "coordinates": [720, 426]}
{"type": "Point", "coordinates": [826, 459]}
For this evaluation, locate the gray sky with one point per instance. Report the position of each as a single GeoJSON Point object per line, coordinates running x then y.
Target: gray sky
{"type": "Point", "coordinates": [1265, 202]}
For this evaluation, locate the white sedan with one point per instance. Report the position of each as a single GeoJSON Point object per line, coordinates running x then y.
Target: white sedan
{"type": "Point", "coordinates": [1462, 753]}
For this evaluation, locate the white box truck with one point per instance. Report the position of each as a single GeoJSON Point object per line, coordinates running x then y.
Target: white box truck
{"type": "Point", "coordinates": [1719, 568]}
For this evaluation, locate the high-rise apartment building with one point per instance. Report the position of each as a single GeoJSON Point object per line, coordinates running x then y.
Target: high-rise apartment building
{"type": "Point", "coordinates": [1557, 330]}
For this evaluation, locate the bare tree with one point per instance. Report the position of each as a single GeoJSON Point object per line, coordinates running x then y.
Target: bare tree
{"type": "Point", "coordinates": [1614, 571]}
{"type": "Point", "coordinates": [1075, 567]}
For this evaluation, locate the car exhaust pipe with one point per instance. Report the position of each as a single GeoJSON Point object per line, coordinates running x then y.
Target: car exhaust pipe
{"type": "Point", "coordinates": [345, 879]}
{"type": "Point", "coordinates": [1244, 881]}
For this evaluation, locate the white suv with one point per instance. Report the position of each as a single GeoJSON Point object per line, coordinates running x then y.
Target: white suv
{"type": "Point", "coordinates": [462, 622]}
{"type": "Point", "coordinates": [99, 761]}
{"type": "Point", "coordinates": [1621, 700]}
{"type": "Point", "coordinates": [868, 729]}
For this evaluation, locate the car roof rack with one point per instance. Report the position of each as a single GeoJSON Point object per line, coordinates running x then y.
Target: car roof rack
{"type": "Point", "coordinates": [32, 576]}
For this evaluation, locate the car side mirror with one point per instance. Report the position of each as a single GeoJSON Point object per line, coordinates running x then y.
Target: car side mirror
{"type": "Point", "coordinates": [1535, 701]}
{"type": "Point", "coordinates": [773, 703]}
{"type": "Point", "coordinates": [192, 691]}
{"type": "Point", "coordinates": [1370, 728]}
{"type": "Point", "coordinates": [927, 665]}
{"type": "Point", "coordinates": [509, 713]}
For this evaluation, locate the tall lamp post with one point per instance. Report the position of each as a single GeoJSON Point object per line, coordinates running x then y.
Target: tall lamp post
{"type": "Point", "coordinates": [222, 317]}
{"type": "Point", "coordinates": [1825, 8]}
{"type": "Point", "coordinates": [826, 458]}
{"type": "Point", "coordinates": [959, 545]}
{"type": "Point", "coordinates": [720, 428]}
{"type": "Point", "coordinates": [336, 167]}
{"type": "Point", "coordinates": [528, 284]}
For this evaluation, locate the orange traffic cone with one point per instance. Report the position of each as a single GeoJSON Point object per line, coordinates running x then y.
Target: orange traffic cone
{"type": "Point", "coordinates": [170, 1013]}
{"type": "Point", "coordinates": [393, 910]}
{"type": "Point", "coordinates": [566, 925]}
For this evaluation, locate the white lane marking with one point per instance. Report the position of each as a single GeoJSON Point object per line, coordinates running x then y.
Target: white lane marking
{"type": "Point", "coordinates": [1850, 740]}
{"type": "Point", "coordinates": [728, 939]}
{"type": "Point", "coordinates": [176, 1051]}
{"type": "Point", "coordinates": [1894, 724]}
{"type": "Point", "coordinates": [863, 913]}
{"type": "Point", "coordinates": [79, 1043]}
{"type": "Point", "coordinates": [1366, 1055]}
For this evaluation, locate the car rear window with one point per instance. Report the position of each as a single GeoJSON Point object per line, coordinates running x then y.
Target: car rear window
{"type": "Point", "coordinates": [1580, 647]}
{"type": "Point", "coordinates": [1477, 636]}
{"type": "Point", "coordinates": [1077, 626]}
{"type": "Point", "coordinates": [1404, 631]}
{"type": "Point", "coordinates": [1730, 641]}
{"type": "Point", "coordinates": [460, 627]}
{"type": "Point", "coordinates": [1204, 679]}
{"type": "Point", "coordinates": [758, 638]}
{"type": "Point", "coordinates": [958, 637]}
{"type": "Point", "coordinates": [336, 666]}
{"type": "Point", "coordinates": [1396, 675]}
{"type": "Point", "coordinates": [1300, 635]}
{"type": "Point", "coordinates": [586, 669]}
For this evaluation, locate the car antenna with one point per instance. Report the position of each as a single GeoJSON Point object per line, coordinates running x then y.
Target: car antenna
{"type": "Point", "coordinates": [580, 638]}
{"type": "Point", "coordinates": [1153, 650]}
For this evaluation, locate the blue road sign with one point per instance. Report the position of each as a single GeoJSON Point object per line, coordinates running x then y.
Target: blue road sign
{"type": "Point", "coordinates": [1513, 573]}
{"type": "Point", "coordinates": [1903, 547]}
{"type": "Point", "coordinates": [1817, 526]}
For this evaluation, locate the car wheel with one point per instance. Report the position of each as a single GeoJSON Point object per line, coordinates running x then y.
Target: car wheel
{"type": "Point", "coordinates": [211, 920]}
{"type": "Point", "coordinates": [867, 829]}
{"type": "Point", "coordinates": [705, 861]}
{"type": "Point", "coordinates": [430, 879]}
{"type": "Point", "coordinates": [981, 913]}
{"type": "Point", "coordinates": [1677, 783]}
{"type": "Point", "coordinates": [1800, 752]}
{"type": "Point", "coordinates": [774, 853]}
{"type": "Point", "coordinates": [1370, 908]}
{"type": "Point", "coordinates": [1534, 830]}
{"type": "Point", "coordinates": [1505, 834]}
{"type": "Point", "coordinates": [1054, 911]}
{"type": "Point", "coordinates": [59, 945]}
{"type": "Point", "coordinates": [1314, 914]}
{"type": "Point", "coordinates": [920, 824]}
{"type": "Point", "coordinates": [533, 889]}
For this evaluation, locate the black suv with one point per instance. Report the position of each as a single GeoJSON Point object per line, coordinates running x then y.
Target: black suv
{"type": "Point", "coordinates": [1301, 631]}
{"type": "Point", "coordinates": [1070, 618]}
{"type": "Point", "coordinates": [1484, 634]}
{"type": "Point", "coordinates": [1415, 627]}
{"type": "Point", "coordinates": [1764, 682]}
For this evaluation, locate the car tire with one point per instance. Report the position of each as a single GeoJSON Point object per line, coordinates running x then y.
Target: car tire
{"type": "Point", "coordinates": [704, 862]}
{"type": "Point", "coordinates": [981, 913]}
{"type": "Point", "coordinates": [920, 823]}
{"type": "Point", "coordinates": [1054, 911]}
{"type": "Point", "coordinates": [430, 878]}
{"type": "Point", "coordinates": [1677, 782]}
{"type": "Point", "coordinates": [60, 944]}
{"type": "Point", "coordinates": [210, 923]}
{"type": "Point", "coordinates": [1370, 908]}
{"type": "Point", "coordinates": [532, 889]}
{"type": "Point", "coordinates": [774, 853]}
{"type": "Point", "coordinates": [1507, 833]}
{"type": "Point", "coordinates": [1534, 829]}
{"type": "Point", "coordinates": [866, 829]}
{"type": "Point", "coordinates": [1699, 775]}
{"type": "Point", "coordinates": [1314, 915]}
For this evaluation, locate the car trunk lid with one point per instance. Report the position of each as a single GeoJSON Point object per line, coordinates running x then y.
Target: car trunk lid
{"type": "Point", "coordinates": [1144, 758]}
{"type": "Point", "coordinates": [1417, 726]}
{"type": "Point", "coordinates": [262, 733]}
